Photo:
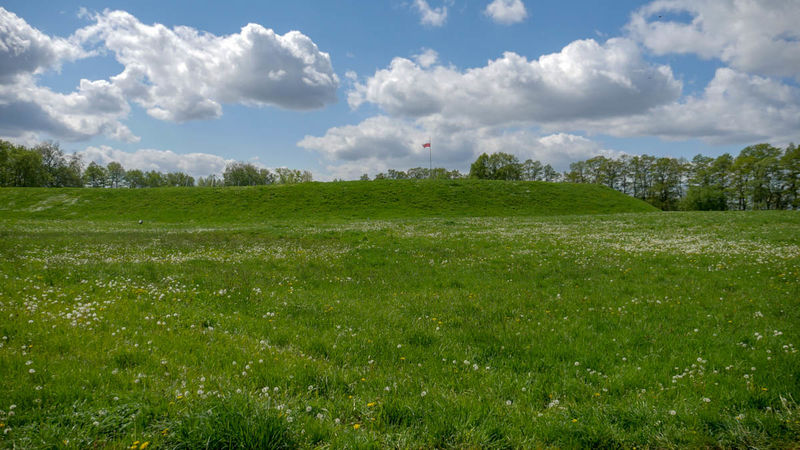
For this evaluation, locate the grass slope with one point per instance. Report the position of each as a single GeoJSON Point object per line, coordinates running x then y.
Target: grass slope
{"type": "Point", "coordinates": [345, 200]}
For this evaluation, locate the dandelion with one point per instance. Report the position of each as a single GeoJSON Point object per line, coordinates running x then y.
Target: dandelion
{"type": "Point", "coordinates": [28, 363]}
{"type": "Point", "coordinates": [577, 363]}
{"type": "Point", "coordinates": [337, 421]}
{"type": "Point", "coordinates": [308, 409]}
{"type": "Point", "coordinates": [706, 400]}
{"type": "Point", "coordinates": [423, 393]}
{"type": "Point", "coordinates": [356, 426]}
{"type": "Point", "coordinates": [672, 412]}
{"type": "Point", "coordinates": [508, 402]}
{"type": "Point", "coordinates": [31, 370]}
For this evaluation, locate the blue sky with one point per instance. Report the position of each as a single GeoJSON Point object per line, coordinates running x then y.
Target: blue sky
{"type": "Point", "coordinates": [347, 87]}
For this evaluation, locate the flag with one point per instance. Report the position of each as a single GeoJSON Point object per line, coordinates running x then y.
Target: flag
{"type": "Point", "coordinates": [426, 145]}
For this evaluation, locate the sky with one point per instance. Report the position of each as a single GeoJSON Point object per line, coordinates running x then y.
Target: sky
{"type": "Point", "coordinates": [343, 88]}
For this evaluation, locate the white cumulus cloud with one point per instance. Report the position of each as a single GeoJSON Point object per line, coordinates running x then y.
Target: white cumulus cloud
{"type": "Point", "coordinates": [183, 74]}
{"type": "Point", "coordinates": [506, 12]}
{"type": "Point", "coordinates": [585, 79]}
{"type": "Point", "coordinates": [26, 50]}
{"type": "Point", "coordinates": [382, 142]}
{"type": "Point", "coordinates": [755, 36]}
{"type": "Point", "coordinates": [734, 107]}
{"type": "Point", "coordinates": [434, 17]}
{"type": "Point", "coordinates": [28, 110]}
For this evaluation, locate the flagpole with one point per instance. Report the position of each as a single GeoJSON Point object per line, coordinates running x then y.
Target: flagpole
{"type": "Point", "coordinates": [430, 158]}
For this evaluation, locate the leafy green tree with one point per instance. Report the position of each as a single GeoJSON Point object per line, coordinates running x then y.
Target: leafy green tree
{"type": "Point", "coordinates": [292, 176]}
{"type": "Point", "coordinates": [115, 173]}
{"type": "Point", "coordinates": [550, 174]}
{"type": "Point", "coordinates": [70, 172]}
{"type": "Point", "coordinates": [154, 179]}
{"type": "Point", "coordinates": [21, 167]}
{"type": "Point", "coordinates": [480, 168]}
{"type": "Point", "coordinates": [577, 173]}
{"type": "Point", "coordinates": [665, 190]}
{"type": "Point", "coordinates": [95, 176]}
{"type": "Point", "coordinates": [395, 175]}
{"type": "Point", "coordinates": [532, 170]}
{"type": "Point", "coordinates": [790, 163]}
{"type": "Point", "coordinates": [704, 198]}
{"type": "Point", "coordinates": [504, 166]}
{"type": "Point", "coordinates": [135, 178]}
{"type": "Point", "coordinates": [245, 174]}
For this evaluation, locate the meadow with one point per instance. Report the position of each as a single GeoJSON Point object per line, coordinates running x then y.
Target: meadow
{"type": "Point", "coordinates": [441, 325]}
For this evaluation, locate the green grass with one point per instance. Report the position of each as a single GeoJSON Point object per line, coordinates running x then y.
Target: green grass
{"type": "Point", "coordinates": [319, 201]}
{"type": "Point", "coordinates": [609, 330]}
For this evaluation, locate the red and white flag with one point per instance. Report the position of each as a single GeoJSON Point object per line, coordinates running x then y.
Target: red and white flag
{"type": "Point", "coordinates": [426, 145]}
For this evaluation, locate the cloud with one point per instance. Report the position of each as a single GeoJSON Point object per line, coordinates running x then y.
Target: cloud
{"type": "Point", "coordinates": [434, 17]}
{"type": "Point", "coordinates": [506, 12]}
{"type": "Point", "coordinates": [195, 164]}
{"type": "Point", "coordinates": [734, 107]}
{"type": "Point", "coordinates": [26, 50]}
{"type": "Point", "coordinates": [586, 79]}
{"type": "Point", "coordinates": [427, 58]}
{"type": "Point", "coordinates": [382, 142]}
{"type": "Point", "coordinates": [760, 37]}
{"type": "Point", "coordinates": [27, 109]}
{"type": "Point", "coordinates": [183, 74]}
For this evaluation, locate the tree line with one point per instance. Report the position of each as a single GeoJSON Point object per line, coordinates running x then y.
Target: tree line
{"type": "Point", "coordinates": [46, 165]}
{"type": "Point", "coordinates": [759, 177]}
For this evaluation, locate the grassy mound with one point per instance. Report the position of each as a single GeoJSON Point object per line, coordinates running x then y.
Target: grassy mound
{"type": "Point", "coordinates": [345, 200]}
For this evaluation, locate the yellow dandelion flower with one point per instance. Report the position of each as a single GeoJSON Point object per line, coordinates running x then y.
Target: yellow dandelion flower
{"type": "Point", "coordinates": [144, 445]}
{"type": "Point", "coordinates": [574, 420]}
{"type": "Point", "coordinates": [356, 426]}
{"type": "Point", "coordinates": [371, 404]}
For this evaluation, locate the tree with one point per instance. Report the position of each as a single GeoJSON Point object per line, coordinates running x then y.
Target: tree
{"type": "Point", "coordinates": [577, 173]}
{"type": "Point", "coordinates": [95, 175]}
{"type": "Point", "coordinates": [154, 179]}
{"type": "Point", "coordinates": [135, 179]}
{"type": "Point", "coordinates": [704, 198]}
{"type": "Point", "coordinates": [395, 175]}
{"type": "Point", "coordinates": [504, 166]}
{"type": "Point", "coordinates": [115, 173]}
{"type": "Point", "coordinates": [480, 168]}
{"type": "Point", "coordinates": [665, 190]}
{"type": "Point", "coordinates": [790, 163]}
{"type": "Point", "coordinates": [418, 173]}
{"type": "Point", "coordinates": [245, 174]}
{"type": "Point", "coordinates": [365, 177]}
{"type": "Point", "coordinates": [550, 174]}
{"type": "Point", "coordinates": [21, 167]}
{"type": "Point", "coordinates": [532, 170]}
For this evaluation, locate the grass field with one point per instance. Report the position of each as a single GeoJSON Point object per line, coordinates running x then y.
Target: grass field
{"type": "Point", "coordinates": [507, 326]}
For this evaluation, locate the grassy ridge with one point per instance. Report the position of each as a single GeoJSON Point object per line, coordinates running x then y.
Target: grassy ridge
{"type": "Point", "coordinates": [346, 200]}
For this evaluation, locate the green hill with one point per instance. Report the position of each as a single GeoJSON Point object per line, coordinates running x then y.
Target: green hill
{"type": "Point", "coordinates": [314, 201]}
